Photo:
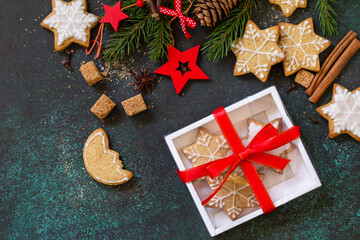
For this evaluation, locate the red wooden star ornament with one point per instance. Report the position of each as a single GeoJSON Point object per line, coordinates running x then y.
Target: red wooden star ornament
{"type": "Point", "coordinates": [182, 67]}
{"type": "Point", "coordinates": [114, 15]}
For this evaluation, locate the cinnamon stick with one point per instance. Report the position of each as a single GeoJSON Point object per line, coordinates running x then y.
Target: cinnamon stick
{"type": "Point", "coordinates": [335, 70]}
{"type": "Point", "coordinates": [349, 37]}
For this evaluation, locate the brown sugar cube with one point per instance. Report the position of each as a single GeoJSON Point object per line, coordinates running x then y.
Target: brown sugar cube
{"type": "Point", "coordinates": [103, 107]}
{"type": "Point", "coordinates": [134, 105]}
{"type": "Point", "coordinates": [304, 78]}
{"type": "Point", "coordinates": [91, 73]}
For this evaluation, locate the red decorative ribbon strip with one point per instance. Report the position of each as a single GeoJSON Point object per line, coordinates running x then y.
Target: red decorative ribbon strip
{"type": "Point", "coordinates": [184, 21]}
{"type": "Point", "coordinates": [267, 139]}
{"type": "Point", "coordinates": [99, 43]}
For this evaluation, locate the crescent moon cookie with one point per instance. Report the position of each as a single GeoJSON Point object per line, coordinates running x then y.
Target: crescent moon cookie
{"type": "Point", "coordinates": [102, 163]}
{"type": "Point", "coordinates": [70, 22]}
{"type": "Point", "coordinates": [343, 112]}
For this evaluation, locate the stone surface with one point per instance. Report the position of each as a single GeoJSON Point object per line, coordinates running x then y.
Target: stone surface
{"type": "Point", "coordinates": [46, 192]}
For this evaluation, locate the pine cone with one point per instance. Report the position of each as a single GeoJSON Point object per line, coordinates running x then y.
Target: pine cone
{"type": "Point", "coordinates": [210, 12]}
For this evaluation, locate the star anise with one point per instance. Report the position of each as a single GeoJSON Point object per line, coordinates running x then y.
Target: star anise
{"type": "Point", "coordinates": [143, 80]}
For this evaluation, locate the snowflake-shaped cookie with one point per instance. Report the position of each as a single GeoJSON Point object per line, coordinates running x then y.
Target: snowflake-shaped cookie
{"type": "Point", "coordinates": [343, 112]}
{"type": "Point", "coordinates": [254, 128]}
{"type": "Point", "coordinates": [289, 6]}
{"type": "Point", "coordinates": [256, 51]}
{"type": "Point", "coordinates": [234, 196]}
{"type": "Point", "coordinates": [301, 46]}
{"type": "Point", "coordinates": [70, 23]}
{"type": "Point", "coordinates": [207, 148]}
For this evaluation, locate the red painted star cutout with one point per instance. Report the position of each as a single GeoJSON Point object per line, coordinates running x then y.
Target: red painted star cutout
{"type": "Point", "coordinates": [182, 67]}
{"type": "Point", "coordinates": [114, 15]}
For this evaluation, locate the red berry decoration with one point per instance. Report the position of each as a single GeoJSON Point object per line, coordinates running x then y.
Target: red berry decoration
{"type": "Point", "coordinates": [139, 3]}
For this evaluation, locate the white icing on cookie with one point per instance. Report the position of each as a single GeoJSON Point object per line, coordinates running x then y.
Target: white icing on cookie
{"type": "Point", "coordinates": [233, 193]}
{"type": "Point", "coordinates": [70, 20]}
{"type": "Point", "coordinates": [300, 44]}
{"type": "Point", "coordinates": [255, 129]}
{"type": "Point", "coordinates": [292, 3]}
{"type": "Point", "coordinates": [345, 111]}
{"type": "Point", "coordinates": [272, 54]}
{"type": "Point", "coordinates": [118, 167]}
{"type": "Point", "coordinates": [204, 139]}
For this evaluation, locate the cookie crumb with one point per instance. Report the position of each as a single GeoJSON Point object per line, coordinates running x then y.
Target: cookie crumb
{"type": "Point", "coordinates": [105, 73]}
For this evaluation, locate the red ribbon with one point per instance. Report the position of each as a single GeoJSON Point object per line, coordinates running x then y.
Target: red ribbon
{"type": "Point", "coordinates": [184, 21]}
{"type": "Point", "coordinates": [267, 139]}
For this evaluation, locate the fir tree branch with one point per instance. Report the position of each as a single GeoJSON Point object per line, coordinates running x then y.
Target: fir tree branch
{"type": "Point", "coordinates": [231, 28]}
{"type": "Point", "coordinates": [131, 33]}
{"type": "Point", "coordinates": [160, 38]}
{"type": "Point", "coordinates": [327, 15]}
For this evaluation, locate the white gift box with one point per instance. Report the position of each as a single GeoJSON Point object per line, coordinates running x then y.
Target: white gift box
{"type": "Point", "coordinates": [299, 176]}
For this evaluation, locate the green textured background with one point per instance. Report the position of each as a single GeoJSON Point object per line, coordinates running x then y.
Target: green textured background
{"type": "Point", "coordinates": [45, 120]}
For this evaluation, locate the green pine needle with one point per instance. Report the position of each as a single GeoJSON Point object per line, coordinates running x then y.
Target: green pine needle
{"type": "Point", "coordinates": [231, 28]}
{"type": "Point", "coordinates": [327, 15]}
{"type": "Point", "coordinates": [128, 39]}
{"type": "Point", "coordinates": [160, 38]}
{"type": "Point", "coordinates": [130, 34]}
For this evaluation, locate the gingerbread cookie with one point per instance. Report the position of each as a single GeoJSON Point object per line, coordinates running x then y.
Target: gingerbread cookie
{"type": "Point", "coordinates": [289, 6]}
{"type": "Point", "coordinates": [343, 112]}
{"type": "Point", "coordinates": [256, 51]}
{"type": "Point", "coordinates": [301, 46]}
{"type": "Point", "coordinates": [70, 22]}
{"type": "Point", "coordinates": [234, 196]}
{"type": "Point", "coordinates": [102, 163]}
{"type": "Point", "coordinates": [254, 128]}
{"type": "Point", "coordinates": [207, 148]}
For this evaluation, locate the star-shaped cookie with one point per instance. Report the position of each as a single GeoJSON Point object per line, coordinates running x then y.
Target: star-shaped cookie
{"type": "Point", "coordinates": [289, 6]}
{"type": "Point", "coordinates": [234, 196]}
{"type": "Point", "coordinates": [343, 112]}
{"type": "Point", "coordinates": [207, 148]}
{"type": "Point", "coordinates": [70, 22]}
{"type": "Point", "coordinates": [254, 128]}
{"type": "Point", "coordinates": [301, 46]}
{"type": "Point", "coordinates": [256, 51]}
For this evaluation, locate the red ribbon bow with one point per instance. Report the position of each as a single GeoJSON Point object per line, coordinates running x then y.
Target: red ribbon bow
{"type": "Point", "coordinates": [184, 21]}
{"type": "Point", "coordinates": [267, 139]}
